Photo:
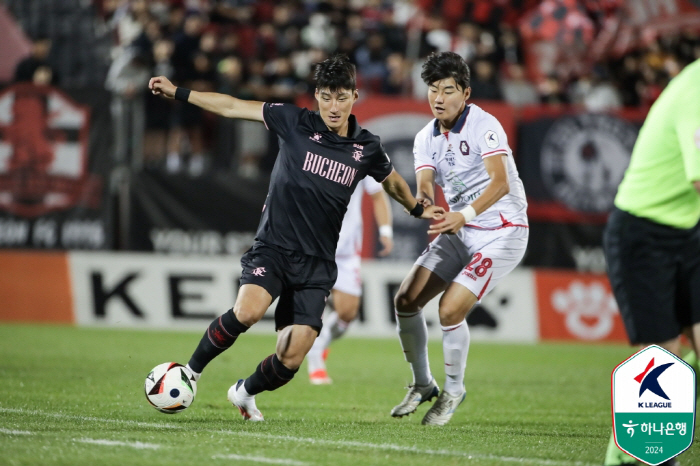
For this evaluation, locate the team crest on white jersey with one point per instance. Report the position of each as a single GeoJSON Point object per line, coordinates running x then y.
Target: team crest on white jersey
{"type": "Point", "coordinates": [450, 156]}
{"type": "Point", "coordinates": [491, 139]}
{"type": "Point", "coordinates": [464, 148]}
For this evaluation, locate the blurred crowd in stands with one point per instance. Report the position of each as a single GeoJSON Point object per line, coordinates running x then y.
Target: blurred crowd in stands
{"type": "Point", "coordinates": [265, 50]}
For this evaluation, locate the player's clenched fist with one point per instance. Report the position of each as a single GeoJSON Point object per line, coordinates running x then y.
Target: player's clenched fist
{"type": "Point", "coordinates": [160, 85]}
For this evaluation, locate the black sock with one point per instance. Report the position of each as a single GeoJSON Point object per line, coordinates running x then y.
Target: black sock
{"type": "Point", "coordinates": [219, 337]}
{"type": "Point", "coordinates": [270, 375]}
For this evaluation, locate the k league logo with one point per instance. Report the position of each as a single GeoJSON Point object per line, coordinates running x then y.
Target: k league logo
{"type": "Point", "coordinates": [650, 380]}
{"type": "Point", "coordinates": [653, 401]}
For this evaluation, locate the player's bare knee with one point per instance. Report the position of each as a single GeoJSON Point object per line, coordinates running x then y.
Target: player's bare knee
{"type": "Point", "coordinates": [451, 314]}
{"type": "Point", "coordinates": [245, 315]}
{"type": "Point", "coordinates": [405, 304]}
{"type": "Point", "coordinates": [346, 313]}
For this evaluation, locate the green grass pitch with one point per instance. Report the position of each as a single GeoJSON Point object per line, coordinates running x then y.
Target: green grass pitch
{"type": "Point", "coordinates": [74, 396]}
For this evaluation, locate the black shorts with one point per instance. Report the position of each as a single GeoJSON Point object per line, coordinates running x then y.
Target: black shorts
{"type": "Point", "coordinates": [654, 272]}
{"type": "Point", "coordinates": [302, 282]}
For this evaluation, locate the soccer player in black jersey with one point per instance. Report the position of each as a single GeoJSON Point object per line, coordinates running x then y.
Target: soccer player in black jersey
{"type": "Point", "coordinates": [323, 155]}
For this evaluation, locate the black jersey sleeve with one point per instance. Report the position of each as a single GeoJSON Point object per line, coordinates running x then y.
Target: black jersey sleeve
{"type": "Point", "coordinates": [381, 164]}
{"type": "Point", "coordinates": [281, 118]}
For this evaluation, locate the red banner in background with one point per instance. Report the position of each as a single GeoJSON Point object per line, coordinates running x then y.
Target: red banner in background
{"type": "Point", "coordinates": [54, 160]}
{"type": "Point", "coordinates": [576, 306]}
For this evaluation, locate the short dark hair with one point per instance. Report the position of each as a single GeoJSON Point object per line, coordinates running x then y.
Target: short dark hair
{"type": "Point", "coordinates": [444, 65]}
{"type": "Point", "coordinates": [336, 73]}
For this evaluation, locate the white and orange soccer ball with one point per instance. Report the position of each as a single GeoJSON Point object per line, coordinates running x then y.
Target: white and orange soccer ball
{"type": "Point", "coordinates": [170, 387]}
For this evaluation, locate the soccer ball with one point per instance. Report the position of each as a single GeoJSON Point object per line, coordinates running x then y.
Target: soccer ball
{"type": "Point", "coordinates": [170, 387]}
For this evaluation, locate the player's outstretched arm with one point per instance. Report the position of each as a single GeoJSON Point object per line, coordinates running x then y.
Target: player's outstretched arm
{"type": "Point", "coordinates": [382, 214]}
{"type": "Point", "coordinates": [221, 104]}
{"type": "Point", "coordinates": [425, 193]}
{"type": "Point", "coordinates": [496, 167]}
{"type": "Point", "coordinates": [396, 187]}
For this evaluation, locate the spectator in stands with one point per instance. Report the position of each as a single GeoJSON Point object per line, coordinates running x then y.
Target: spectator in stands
{"type": "Point", "coordinates": [627, 75]}
{"type": "Point", "coordinates": [371, 62]}
{"type": "Point", "coordinates": [158, 111]}
{"type": "Point", "coordinates": [484, 85]}
{"type": "Point", "coordinates": [551, 91]}
{"type": "Point", "coordinates": [436, 34]}
{"type": "Point", "coordinates": [396, 78]}
{"type": "Point", "coordinates": [127, 79]}
{"type": "Point", "coordinates": [194, 70]}
{"type": "Point", "coordinates": [36, 67]}
{"type": "Point", "coordinates": [319, 33]}
{"type": "Point", "coordinates": [128, 22]}
{"type": "Point", "coordinates": [516, 90]}
{"type": "Point", "coordinates": [465, 41]}
{"type": "Point", "coordinates": [242, 142]}
{"type": "Point", "coordinates": [596, 93]}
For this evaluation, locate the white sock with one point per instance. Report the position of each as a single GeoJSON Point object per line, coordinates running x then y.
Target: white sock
{"type": "Point", "coordinates": [314, 358]}
{"type": "Point", "coordinates": [455, 348]}
{"type": "Point", "coordinates": [413, 333]}
{"type": "Point", "coordinates": [196, 375]}
{"type": "Point", "coordinates": [241, 392]}
{"type": "Point", "coordinates": [338, 328]}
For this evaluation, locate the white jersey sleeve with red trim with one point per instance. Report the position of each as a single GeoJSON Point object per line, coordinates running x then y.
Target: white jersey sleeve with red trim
{"type": "Point", "coordinates": [488, 135]}
{"type": "Point", "coordinates": [423, 159]}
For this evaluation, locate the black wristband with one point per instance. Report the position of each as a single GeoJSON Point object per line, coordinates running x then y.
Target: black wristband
{"type": "Point", "coordinates": [417, 211]}
{"type": "Point", "coordinates": [182, 94]}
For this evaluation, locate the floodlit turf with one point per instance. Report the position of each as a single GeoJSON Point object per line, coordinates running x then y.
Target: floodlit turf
{"type": "Point", "coordinates": [75, 397]}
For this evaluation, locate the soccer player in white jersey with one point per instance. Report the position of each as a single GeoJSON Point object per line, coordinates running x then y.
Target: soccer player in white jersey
{"type": "Point", "coordinates": [347, 291]}
{"type": "Point", "coordinates": [481, 239]}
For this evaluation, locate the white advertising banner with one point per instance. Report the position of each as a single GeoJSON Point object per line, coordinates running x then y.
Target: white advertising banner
{"type": "Point", "coordinates": [187, 292]}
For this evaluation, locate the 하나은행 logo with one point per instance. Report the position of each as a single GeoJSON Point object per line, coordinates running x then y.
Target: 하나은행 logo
{"type": "Point", "coordinates": [653, 405]}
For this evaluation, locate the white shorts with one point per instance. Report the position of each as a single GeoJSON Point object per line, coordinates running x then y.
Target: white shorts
{"type": "Point", "coordinates": [349, 279]}
{"type": "Point", "coordinates": [476, 259]}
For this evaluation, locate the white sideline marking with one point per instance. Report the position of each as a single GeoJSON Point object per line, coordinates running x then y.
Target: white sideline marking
{"type": "Point", "coordinates": [341, 443]}
{"type": "Point", "coordinates": [151, 425]}
{"type": "Point", "coordinates": [117, 443]}
{"type": "Point", "coordinates": [405, 449]}
{"type": "Point", "coordinates": [14, 432]}
{"type": "Point", "coordinates": [259, 459]}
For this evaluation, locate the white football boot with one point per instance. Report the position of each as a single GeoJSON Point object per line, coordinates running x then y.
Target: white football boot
{"type": "Point", "coordinates": [416, 395]}
{"type": "Point", "coordinates": [245, 404]}
{"type": "Point", "coordinates": [443, 409]}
